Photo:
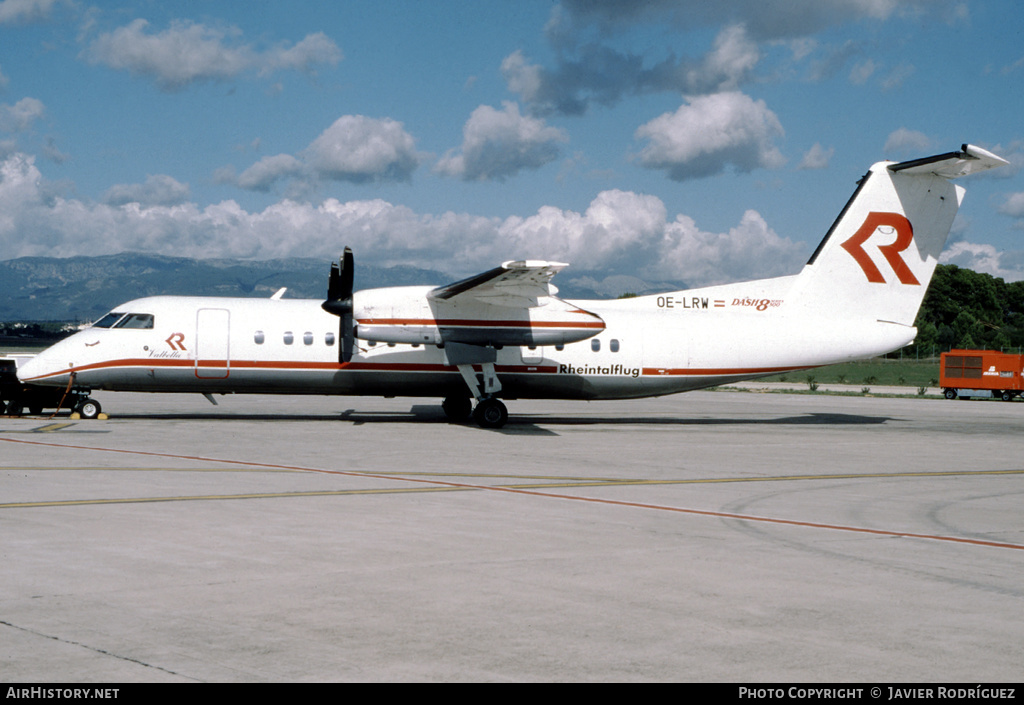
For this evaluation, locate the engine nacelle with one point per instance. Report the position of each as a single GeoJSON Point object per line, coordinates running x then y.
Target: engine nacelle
{"type": "Point", "coordinates": [407, 315]}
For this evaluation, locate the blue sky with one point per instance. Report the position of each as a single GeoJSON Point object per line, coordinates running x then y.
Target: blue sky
{"type": "Point", "coordinates": [670, 139]}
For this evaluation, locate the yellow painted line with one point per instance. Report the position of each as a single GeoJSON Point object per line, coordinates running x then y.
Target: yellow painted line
{"type": "Point", "coordinates": [51, 428]}
{"type": "Point", "coordinates": [558, 479]}
{"type": "Point", "coordinates": [591, 500]}
{"type": "Point", "coordinates": [838, 476]}
{"type": "Point", "coordinates": [208, 497]}
{"type": "Point", "coordinates": [66, 468]}
{"type": "Point", "coordinates": [277, 495]}
{"type": "Point", "coordinates": [567, 483]}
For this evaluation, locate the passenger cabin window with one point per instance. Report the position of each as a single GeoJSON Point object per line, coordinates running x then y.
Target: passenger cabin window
{"type": "Point", "coordinates": [329, 339]}
{"type": "Point", "coordinates": [288, 338]}
{"type": "Point", "coordinates": [307, 338]}
{"type": "Point", "coordinates": [138, 321]}
{"type": "Point", "coordinates": [259, 337]}
{"type": "Point", "coordinates": [595, 345]}
{"type": "Point", "coordinates": [614, 345]}
{"type": "Point", "coordinates": [109, 320]}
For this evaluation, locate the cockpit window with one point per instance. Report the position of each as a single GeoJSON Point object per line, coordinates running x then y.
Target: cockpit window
{"type": "Point", "coordinates": [136, 320]}
{"type": "Point", "coordinates": [109, 320]}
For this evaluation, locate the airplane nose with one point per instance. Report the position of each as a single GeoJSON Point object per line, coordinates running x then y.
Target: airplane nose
{"type": "Point", "coordinates": [40, 369]}
{"type": "Point", "coordinates": [28, 369]}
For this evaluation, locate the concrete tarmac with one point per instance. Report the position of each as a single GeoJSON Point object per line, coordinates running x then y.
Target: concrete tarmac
{"type": "Point", "coordinates": [712, 536]}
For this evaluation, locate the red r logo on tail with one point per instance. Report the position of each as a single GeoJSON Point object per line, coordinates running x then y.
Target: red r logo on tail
{"type": "Point", "coordinates": [891, 252]}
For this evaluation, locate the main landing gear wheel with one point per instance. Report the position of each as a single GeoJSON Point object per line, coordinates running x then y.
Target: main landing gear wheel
{"type": "Point", "coordinates": [491, 413]}
{"type": "Point", "coordinates": [457, 409]}
{"type": "Point", "coordinates": [89, 408]}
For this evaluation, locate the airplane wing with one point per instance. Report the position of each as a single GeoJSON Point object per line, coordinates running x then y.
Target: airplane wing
{"type": "Point", "coordinates": [521, 284]}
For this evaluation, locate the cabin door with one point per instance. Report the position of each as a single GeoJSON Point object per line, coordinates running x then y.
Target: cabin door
{"type": "Point", "coordinates": [212, 346]}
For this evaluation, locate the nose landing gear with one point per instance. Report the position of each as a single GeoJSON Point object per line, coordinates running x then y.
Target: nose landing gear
{"type": "Point", "coordinates": [88, 408]}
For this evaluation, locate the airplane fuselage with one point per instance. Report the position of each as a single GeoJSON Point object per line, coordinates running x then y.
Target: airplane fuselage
{"type": "Point", "coordinates": [649, 346]}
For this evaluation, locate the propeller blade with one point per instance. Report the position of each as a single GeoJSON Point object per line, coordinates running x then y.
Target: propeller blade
{"type": "Point", "coordinates": [348, 268]}
{"type": "Point", "coordinates": [348, 338]}
{"type": "Point", "coordinates": [339, 302]}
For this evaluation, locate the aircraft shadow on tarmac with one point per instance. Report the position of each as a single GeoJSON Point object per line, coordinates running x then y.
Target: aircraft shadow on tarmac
{"type": "Point", "coordinates": [526, 423]}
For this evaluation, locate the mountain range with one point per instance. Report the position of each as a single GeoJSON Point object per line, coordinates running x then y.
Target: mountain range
{"type": "Point", "coordinates": [85, 288]}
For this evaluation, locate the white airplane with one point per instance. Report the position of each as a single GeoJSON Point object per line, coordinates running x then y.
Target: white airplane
{"type": "Point", "coordinates": [504, 334]}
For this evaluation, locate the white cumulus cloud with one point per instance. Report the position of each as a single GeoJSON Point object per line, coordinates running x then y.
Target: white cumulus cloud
{"type": "Point", "coordinates": [355, 148]}
{"type": "Point", "coordinates": [14, 11]}
{"type": "Point", "coordinates": [262, 175]}
{"type": "Point", "coordinates": [817, 157]}
{"type": "Point", "coordinates": [903, 141]}
{"type": "Point", "coordinates": [985, 258]}
{"type": "Point", "coordinates": [769, 20]}
{"type": "Point", "coordinates": [597, 73]}
{"type": "Point", "coordinates": [751, 250]}
{"type": "Point", "coordinates": [359, 148]}
{"type": "Point", "coordinates": [158, 190]}
{"type": "Point", "coordinates": [1013, 205]}
{"type": "Point", "coordinates": [190, 52]}
{"type": "Point", "coordinates": [711, 133]}
{"type": "Point", "coordinates": [619, 232]}
{"type": "Point", "coordinates": [497, 144]}
{"type": "Point", "coordinates": [20, 116]}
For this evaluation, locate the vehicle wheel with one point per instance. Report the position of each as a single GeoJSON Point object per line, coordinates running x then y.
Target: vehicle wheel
{"type": "Point", "coordinates": [89, 408]}
{"type": "Point", "coordinates": [457, 409]}
{"type": "Point", "coordinates": [491, 413]}
{"type": "Point", "coordinates": [950, 394]}
{"type": "Point", "coordinates": [35, 410]}
{"type": "Point", "coordinates": [15, 409]}
{"type": "Point", "coordinates": [1006, 396]}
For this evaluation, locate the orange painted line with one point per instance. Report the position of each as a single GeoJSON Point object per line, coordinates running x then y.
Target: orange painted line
{"type": "Point", "coordinates": [714, 371]}
{"type": "Point", "coordinates": [477, 323]}
{"type": "Point", "coordinates": [548, 495]}
{"type": "Point", "coordinates": [389, 367]}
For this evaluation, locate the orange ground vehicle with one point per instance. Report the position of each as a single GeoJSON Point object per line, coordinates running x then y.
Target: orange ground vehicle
{"type": "Point", "coordinates": [973, 373]}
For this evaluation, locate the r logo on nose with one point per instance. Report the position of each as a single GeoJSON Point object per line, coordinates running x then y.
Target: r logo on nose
{"type": "Point", "coordinates": [176, 341]}
{"type": "Point", "coordinates": [904, 236]}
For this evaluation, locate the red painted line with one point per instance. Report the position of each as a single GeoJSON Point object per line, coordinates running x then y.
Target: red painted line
{"type": "Point", "coordinates": [549, 495]}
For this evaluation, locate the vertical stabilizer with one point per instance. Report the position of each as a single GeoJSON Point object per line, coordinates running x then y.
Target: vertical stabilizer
{"type": "Point", "coordinates": [877, 259]}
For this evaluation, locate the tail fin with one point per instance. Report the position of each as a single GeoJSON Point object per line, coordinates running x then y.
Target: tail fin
{"type": "Point", "coordinates": [879, 255]}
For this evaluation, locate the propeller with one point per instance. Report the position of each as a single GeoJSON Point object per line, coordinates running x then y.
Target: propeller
{"type": "Point", "coordinates": [339, 302]}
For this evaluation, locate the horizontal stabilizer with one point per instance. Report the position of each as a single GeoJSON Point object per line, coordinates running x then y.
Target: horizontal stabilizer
{"type": "Point", "coordinates": [969, 160]}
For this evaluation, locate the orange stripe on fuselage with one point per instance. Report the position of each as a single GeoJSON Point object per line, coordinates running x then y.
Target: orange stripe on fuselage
{"type": "Point", "coordinates": [716, 372]}
{"type": "Point", "coordinates": [359, 366]}
{"type": "Point", "coordinates": [477, 323]}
